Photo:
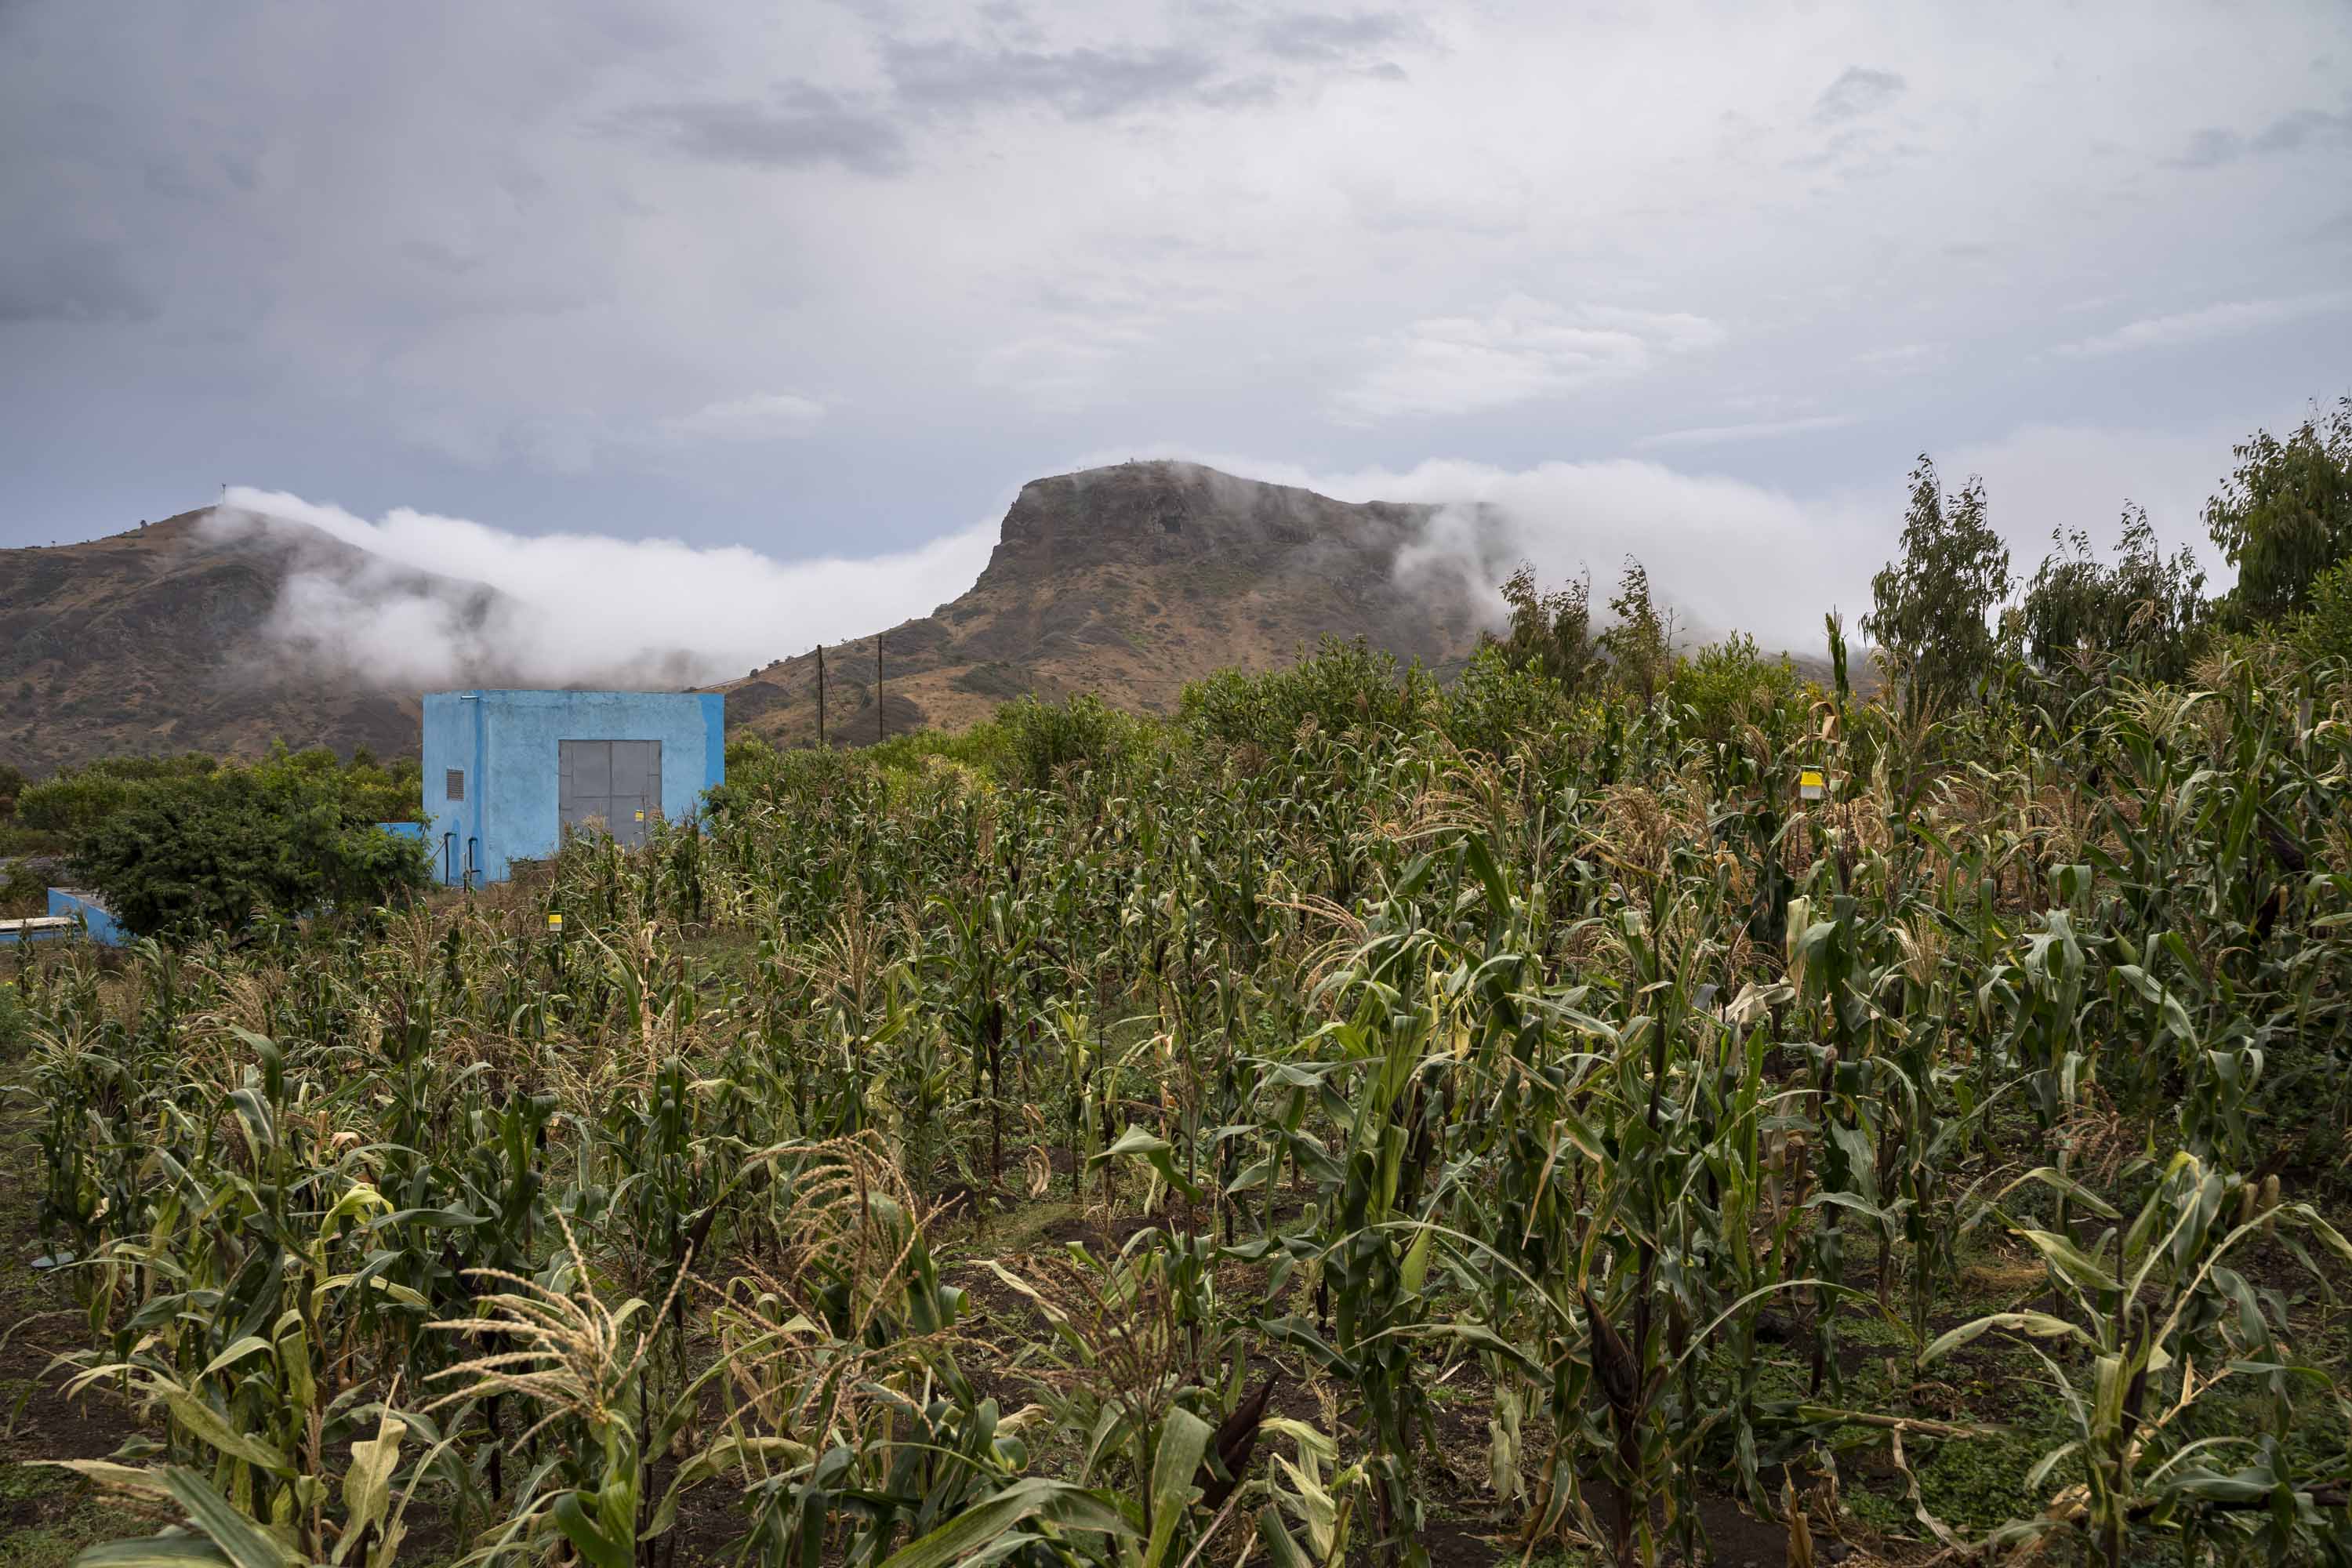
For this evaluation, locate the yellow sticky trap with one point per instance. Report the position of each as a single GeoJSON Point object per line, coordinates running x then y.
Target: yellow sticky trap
{"type": "Point", "coordinates": [641, 816]}
{"type": "Point", "coordinates": [1810, 785]}
{"type": "Point", "coordinates": [555, 922]}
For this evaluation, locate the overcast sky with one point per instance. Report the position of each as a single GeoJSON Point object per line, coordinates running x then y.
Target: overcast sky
{"type": "Point", "coordinates": [823, 280]}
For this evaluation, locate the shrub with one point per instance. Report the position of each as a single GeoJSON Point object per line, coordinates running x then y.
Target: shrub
{"type": "Point", "coordinates": [23, 891]}
{"type": "Point", "coordinates": [1043, 738]}
{"type": "Point", "coordinates": [1640, 642]}
{"type": "Point", "coordinates": [2325, 630]}
{"type": "Point", "coordinates": [1495, 707]}
{"type": "Point", "coordinates": [1344, 685]}
{"type": "Point", "coordinates": [1732, 682]}
{"type": "Point", "coordinates": [78, 799]}
{"type": "Point", "coordinates": [206, 854]}
{"type": "Point", "coordinates": [2143, 607]}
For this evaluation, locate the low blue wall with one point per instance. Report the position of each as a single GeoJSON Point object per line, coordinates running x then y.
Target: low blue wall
{"type": "Point", "coordinates": [94, 916]}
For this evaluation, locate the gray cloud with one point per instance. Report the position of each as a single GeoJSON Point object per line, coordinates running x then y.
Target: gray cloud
{"type": "Point", "coordinates": [1320, 39]}
{"type": "Point", "coordinates": [2213, 146]}
{"type": "Point", "coordinates": [836, 277]}
{"type": "Point", "coordinates": [1857, 91]}
{"type": "Point", "coordinates": [804, 127]}
{"type": "Point", "coordinates": [1081, 83]}
{"type": "Point", "coordinates": [68, 281]}
{"type": "Point", "coordinates": [2304, 128]}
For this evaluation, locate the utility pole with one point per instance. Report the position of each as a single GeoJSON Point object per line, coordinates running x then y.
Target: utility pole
{"type": "Point", "coordinates": [820, 696]}
{"type": "Point", "coordinates": [877, 688]}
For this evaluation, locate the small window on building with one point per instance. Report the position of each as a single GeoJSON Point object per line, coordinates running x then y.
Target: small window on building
{"type": "Point", "coordinates": [453, 786]}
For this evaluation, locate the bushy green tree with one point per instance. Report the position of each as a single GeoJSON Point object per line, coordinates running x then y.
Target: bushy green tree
{"type": "Point", "coordinates": [1550, 633]}
{"type": "Point", "coordinates": [209, 853]}
{"type": "Point", "coordinates": [2144, 606]}
{"type": "Point", "coordinates": [1931, 609]}
{"type": "Point", "coordinates": [2285, 516]}
{"type": "Point", "coordinates": [1640, 640]}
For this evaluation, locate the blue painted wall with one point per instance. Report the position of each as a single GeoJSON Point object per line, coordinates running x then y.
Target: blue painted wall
{"type": "Point", "coordinates": [95, 916]}
{"type": "Point", "coordinates": [506, 743]}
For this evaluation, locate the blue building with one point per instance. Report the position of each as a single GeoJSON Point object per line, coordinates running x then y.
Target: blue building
{"type": "Point", "coordinates": [508, 773]}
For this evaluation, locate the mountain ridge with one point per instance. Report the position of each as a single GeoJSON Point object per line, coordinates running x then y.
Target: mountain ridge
{"type": "Point", "coordinates": [1127, 581]}
{"type": "Point", "coordinates": [154, 640]}
{"type": "Point", "coordinates": [1130, 581]}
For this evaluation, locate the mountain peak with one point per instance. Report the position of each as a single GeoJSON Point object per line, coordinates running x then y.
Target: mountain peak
{"type": "Point", "coordinates": [1129, 581]}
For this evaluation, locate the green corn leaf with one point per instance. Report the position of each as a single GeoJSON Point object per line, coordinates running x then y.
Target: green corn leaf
{"type": "Point", "coordinates": [106, 1473]}
{"type": "Point", "coordinates": [367, 1485]}
{"type": "Point", "coordinates": [1275, 1536]}
{"type": "Point", "coordinates": [1136, 1143]}
{"type": "Point", "coordinates": [235, 1353]}
{"type": "Point", "coordinates": [2058, 1181]}
{"type": "Point", "coordinates": [1054, 1503]}
{"type": "Point", "coordinates": [585, 1533]}
{"type": "Point", "coordinates": [1184, 1438]}
{"type": "Point", "coordinates": [2049, 1462]}
{"type": "Point", "coordinates": [730, 1453]}
{"type": "Point", "coordinates": [244, 1543]}
{"type": "Point", "coordinates": [2040, 1325]}
{"type": "Point", "coordinates": [2070, 1260]}
{"type": "Point", "coordinates": [210, 1427]}
{"type": "Point", "coordinates": [180, 1550]}
{"type": "Point", "coordinates": [1415, 1267]}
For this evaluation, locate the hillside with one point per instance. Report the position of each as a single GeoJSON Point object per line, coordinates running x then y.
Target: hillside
{"type": "Point", "coordinates": [1126, 582]}
{"type": "Point", "coordinates": [157, 640]}
{"type": "Point", "coordinates": [1129, 581]}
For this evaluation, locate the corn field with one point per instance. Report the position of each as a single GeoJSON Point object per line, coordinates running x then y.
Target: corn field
{"type": "Point", "coordinates": [1587, 1150]}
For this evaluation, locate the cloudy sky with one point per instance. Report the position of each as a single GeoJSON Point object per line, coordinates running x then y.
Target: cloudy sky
{"type": "Point", "coordinates": [813, 279]}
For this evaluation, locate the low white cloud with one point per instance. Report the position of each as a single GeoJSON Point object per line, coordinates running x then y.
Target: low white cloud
{"type": "Point", "coordinates": [772, 416]}
{"type": "Point", "coordinates": [1727, 553]}
{"type": "Point", "coordinates": [1526, 349]}
{"type": "Point", "coordinates": [1734, 554]}
{"type": "Point", "coordinates": [2227, 319]}
{"type": "Point", "coordinates": [421, 601]}
{"type": "Point", "coordinates": [424, 601]}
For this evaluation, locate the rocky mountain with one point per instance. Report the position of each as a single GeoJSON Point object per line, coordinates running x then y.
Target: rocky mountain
{"type": "Point", "coordinates": [1126, 580]}
{"type": "Point", "coordinates": [158, 640]}
{"type": "Point", "coordinates": [1129, 581]}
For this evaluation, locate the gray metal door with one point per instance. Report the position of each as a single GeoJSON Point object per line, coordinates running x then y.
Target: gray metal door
{"type": "Point", "coordinates": [617, 782]}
